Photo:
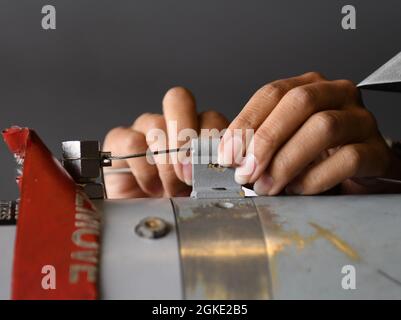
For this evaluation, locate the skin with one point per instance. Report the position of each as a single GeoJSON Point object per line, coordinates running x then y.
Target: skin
{"type": "Point", "coordinates": [162, 179]}
{"type": "Point", "coordinates": [311, 135]}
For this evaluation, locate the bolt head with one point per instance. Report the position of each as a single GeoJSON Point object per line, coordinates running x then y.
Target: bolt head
{"type": "Point", "coordinates": [152, 228]}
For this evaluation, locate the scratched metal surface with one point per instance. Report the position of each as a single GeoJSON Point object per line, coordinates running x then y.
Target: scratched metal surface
{"type": "Point", "coordinates": [132, 267]}
{"type": "Point", "coordinates": [222, 248]}
{"type": "Point", "coordinates": [310, 239]}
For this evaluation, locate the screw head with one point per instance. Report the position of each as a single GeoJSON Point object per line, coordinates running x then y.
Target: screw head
{"type": "Point", "coordinates": [152, 228]}
{"type": "Point", "coordinates": [225, 205]}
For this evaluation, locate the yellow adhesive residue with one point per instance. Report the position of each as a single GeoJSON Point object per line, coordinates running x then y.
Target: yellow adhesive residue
{"type": "Point", "coordinates": [216, 167]}
{"type": "Point", "coordinates": [279, 239]}
{"type": "Point", "coordinates": [282, 239]}
{"type": "Point", "coordinates": [337, 242]}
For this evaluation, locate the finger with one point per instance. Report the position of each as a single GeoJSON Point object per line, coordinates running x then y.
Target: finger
{"type": "Point", "coordinates": [146, 175]}
{"type": "Point", "coordinates": [292, 111]}
{"type": "Point", "coordinates": [153, 126]}
{"type": "Point", "coordinates": [122, 185]}
{"type": "Point", "coordinates": [212, 124]}
{"type": "Point", "coordinates": [353, 160]}
{"type": "Point", "coordinates": [254, 113]}
{"type": "Point", "coordinates": [322, 131]}
{"type": "Point", "coordinates": [182, 125]}
{"type": "Point", "coordinates": [210, 120]}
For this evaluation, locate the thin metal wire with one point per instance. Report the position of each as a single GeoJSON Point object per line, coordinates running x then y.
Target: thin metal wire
{"type": "Point", "coordinates": [128, 156]}
{"type": "Point", "coordinates": [144, 154]}
{"type": "Point", "coordinates": [389, 180]}
{"type": "Point", "coordinates": [167, 151]}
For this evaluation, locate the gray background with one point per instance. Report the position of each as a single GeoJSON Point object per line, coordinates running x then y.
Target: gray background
{"type": "Point", "coordinates": [109, 61]}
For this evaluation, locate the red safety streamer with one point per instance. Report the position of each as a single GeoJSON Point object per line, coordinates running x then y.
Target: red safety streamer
{"type": "Point", "coordinates": [56, 247]}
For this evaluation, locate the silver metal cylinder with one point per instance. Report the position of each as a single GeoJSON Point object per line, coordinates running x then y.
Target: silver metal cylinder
{"type": "Point", "coordinates": [252, 248]}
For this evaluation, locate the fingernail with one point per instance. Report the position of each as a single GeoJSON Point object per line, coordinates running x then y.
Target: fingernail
{"type": "Point", "coordinates": [263, 185]}
{"type": "Point", "coordinates": [294, 189]}
{"type": "Point", "coordinates": [187, 172]}
{"type": "Point", "coordinates": [230, 151]}
{"type": "Point", "coordinates": [244, 172]}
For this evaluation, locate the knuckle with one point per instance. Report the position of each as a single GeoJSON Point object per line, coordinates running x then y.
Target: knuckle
{"type": "Point", "coordinates": [243, 120]}
{"type": "Point", "coordinates": [312, 183]}
{"type": "Point", "coordinates": [213, 119]}
{"type": "Point", "coordinates": [350, 86]}
{"type": "Point", "coordinates": [149, 120]}
{"type": "Point", "coordinates": [347, 83]}
{"type": "Point", "coordinates": [309, 184]}
{"type": "Point", "coordinates": [156, 121]}
{"type": "Point", "coordinates": [267, 137]}
{"type": "Point", "coordinates": [281, 166]}
{"type": "Point", "coordinates": [131, 141]}
{"type": "Point", "coordinates": [327, 123]}
{"type": "Point", "coordinates": [315, 75]}
{"type": "Point", "coordinates": [353, 157]}
{"type": "Point", "coordinates": [369, 119]}
{"type": "Point", "coordinates": [143, 118]}
{"type": "Point", "coordinates": [112, 136]}
{"type": "Point", "coordinates": [303, 96]}
{"type": "Point", "coordinates": [212, 114]}
{"type": "Point", "coordinates": [273, 90]}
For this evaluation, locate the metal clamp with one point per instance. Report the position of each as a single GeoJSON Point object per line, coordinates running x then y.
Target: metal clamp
{"type": "Point", "coordinates": [84, 162]}
{"type": "Point", "coordinates": [209, 180]}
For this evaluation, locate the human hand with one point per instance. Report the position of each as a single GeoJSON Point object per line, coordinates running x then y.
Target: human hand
{"type": "Point", "coordinates": [311, 134]}
{"type": "Point", "coordinates": [170, 175]}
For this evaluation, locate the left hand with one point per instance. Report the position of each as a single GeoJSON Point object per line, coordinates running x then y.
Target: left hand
{"type": "Point", "coordinates": [169, 175]}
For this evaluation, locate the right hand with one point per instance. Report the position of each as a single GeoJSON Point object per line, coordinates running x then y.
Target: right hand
{"type": "Point", "coordinates": [162, 179]}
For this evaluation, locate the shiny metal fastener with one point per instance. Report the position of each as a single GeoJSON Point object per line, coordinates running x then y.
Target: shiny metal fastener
{"type": "Point", "coordinates": [152, 228]}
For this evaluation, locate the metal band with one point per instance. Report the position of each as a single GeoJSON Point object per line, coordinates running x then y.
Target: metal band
{"type": "Point", "coordinates": [222, 248]}
{"type": "Point", "coordinates": [210, 180]}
